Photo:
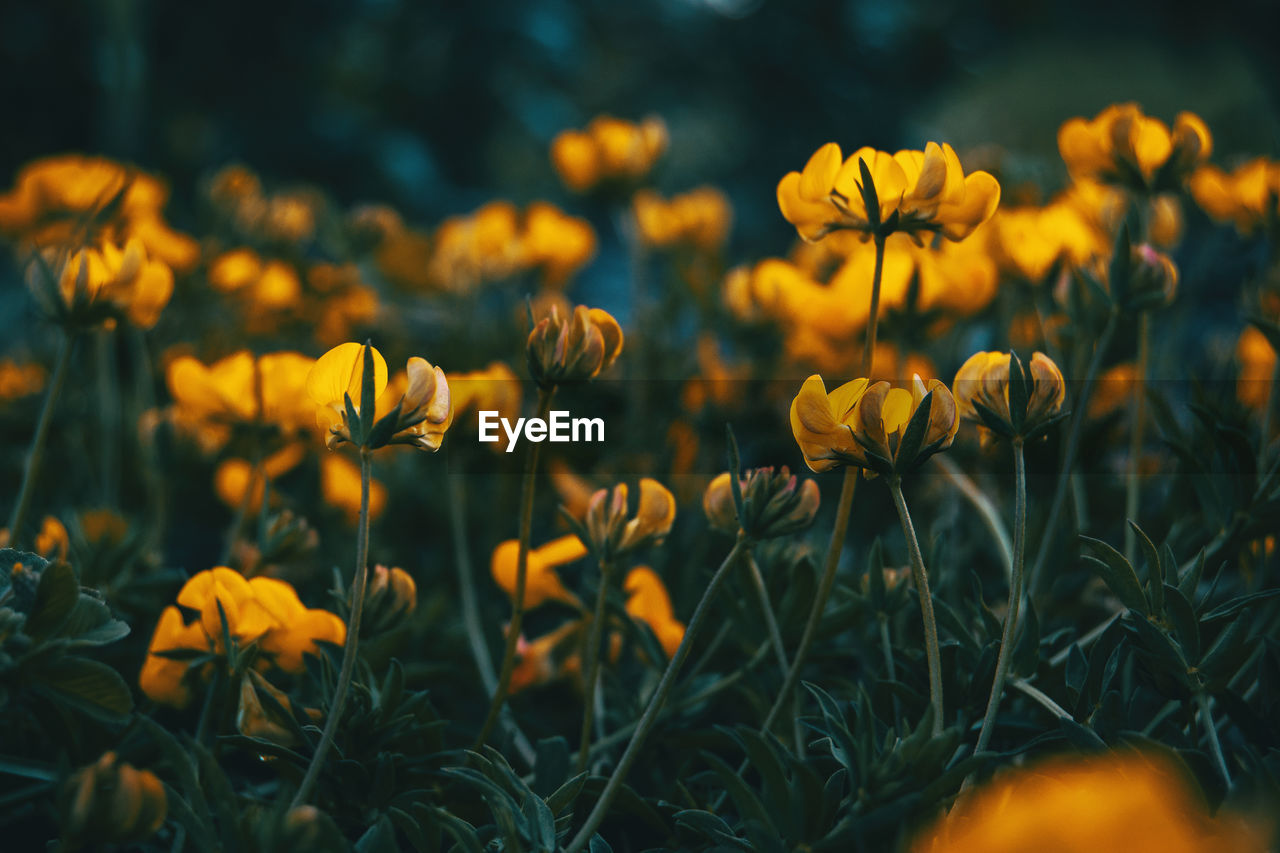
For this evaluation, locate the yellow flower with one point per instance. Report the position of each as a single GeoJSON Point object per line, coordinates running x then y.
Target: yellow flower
{"type": "Point", "coordinates": [1123, 146]}
{"type": "Point", "coordinates": [648, 602]}
{"type": "Point", "coordinates": [235, 479]}
{"type": "Point", "coordinates": [111, 801]}
{"type": "Point", "coordinates": [983, 393]}
{"type": "Point", "coordinates": [340, 488]}
{"type": "Point", "coordinates": [1115, 802]}
{"type": "Point", "coordinates": [255, 719]}
{"type": "Point", "coordinates": [773, 503]}
{"type": "Point", "coordinates": [496, 388]}
{"type": "Point", "coordinates": [55, 197]}
{"type": "Point", "coordinates": [549, 657]}
{"type": "Point", "coordinates": [608, 150]}
{"type": "Point", "coordinates": [391, 598]}
{"type": "Point", "coordinates": [1031, 240]}
{"type": "Point", "coordinates": [557, 243]}
{"type": "Point", "coordinates": [1247, 196]}
{"type": "Point", "coordinates": [866, 424]}
{"type": "Point", "coordinates": [699, 218]}
{"type": "Point", "coordinates": [102, 284]}
{"type": "Point", "coordinates": [262, 610]}
{"type": "Point", "coordinates": [52, 541]}
{"type": "Point", "coordinates": [909, 191]}
{"type": "Point", "coordinates": [1257, 368]}
{"type": "Point", "coordinates": [271, 285]}
{"type": "Point", "coordinates": [20, 380]}
{"type": "Point", "coordinates": [614, 532]}
{"type": "Point", "coordinates": [575, 349]}
{"type": "Point", "coordinates": [542, 584]}
{"type": "Point", "coordinates": [241, 390]}
{"type": "Point", "coordinates": [415, 410]}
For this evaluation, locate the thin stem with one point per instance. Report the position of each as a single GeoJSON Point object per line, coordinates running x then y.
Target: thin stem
{"type": "Point", "coordinates": [1094, 633]}
{"type": "Point", "coordinates": [1215, 745]}
{"type": "Point", "coordinates": [766, 606]}
{"type": "Point", "coordinates": [820, 599]}
{"type": "Point", "coordinates": [471, 610]}
{"type": "Point", "coordinates": [256, 481]}
{"type": "Point", "coordinates": [984, 505]}
{"type": "Point", "coordinates": [1015, 596]}
{"type": "Point", "coordinates": [921, 578]}
{"type": "Point", "coordinates": [353, 638]}
{"type": "Point", "coordinates": [36, 453]}
{"type": "Point", "coordinates": [108, 416]}
{"type": "Point", "coordinates": [1268, 405]}
{"type": "Point", "coordinates": [1135, 434]}
{"type": "Point", "coordinates": [211, 698]}
{"type": "Point", "coordinates": [654, 707]}
{"type": "Point", "coordinates": [522, 572]}
{"type": "Point", "coordinates": [592, 665]}
{"type": "Point", "coordinates": [1034, 577]}
{"type": "Point", "coordinates": [873, 318]}
{"type": "Point", "coordinates": [1043, 698]}
{"type": "Point", "coordinates": [886, 646]}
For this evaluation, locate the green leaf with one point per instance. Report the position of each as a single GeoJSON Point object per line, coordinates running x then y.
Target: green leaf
{"type": "Point", "coordinates": [1155, 583]}
{"type": "Point", "coordinates": [1118, 574]}
{"type": "Point", "coordinates": [1186, 630]}
{"type": "Point", "coordinates": [379, 838]}
{"type": "Point", "coordinates": [870, 199]}
{"type": "Point", "coordinates": [1189, 582]}
{"type": "Point", "coordinates": [749, 805]}
{"type": "Point", "coordinates": [710, 827]}
{"type": "Point", "coordinates": [551, 766]}
{"type": "Point", "coordinates": [1235, 605]}
{"type": "Point", "coordinates": [93, 687]}
{"type": "Point", "coordinates": [1019, 393]}
{"type": "Point", "coordinates": [735, 472]}
{"type": "Point", "coordinates": [913, 436]}
{"type": "Point", "coordinates": [564, 796]}
{"type": "Point", "coordinates": [368, 393]}
{"type": "Point", "coordinates": [1077, 672]}
{"type": "Point", "coordinates": [56, 596]}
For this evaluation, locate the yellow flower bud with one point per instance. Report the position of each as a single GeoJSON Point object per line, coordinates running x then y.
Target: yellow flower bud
{"type": "Point", "coordinates": [573, 349]}
{"type": "Point", "coordinates": [254, 718]}
{"type": "Point", "coordinates": [614, 531]}
{"type": "Point", "coordinates": [983, 393]}
{"type": "Point", "coordinates": [111, 801]}
{"type": "Point", "coordinates": [773, 503]}
{"type": "Point", "coordinates": [391, 598]}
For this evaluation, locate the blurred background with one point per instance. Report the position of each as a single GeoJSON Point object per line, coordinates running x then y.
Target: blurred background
{"type": "Point", "coordinates": [437, 107]}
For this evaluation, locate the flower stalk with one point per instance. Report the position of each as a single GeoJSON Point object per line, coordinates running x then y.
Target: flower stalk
{"type": "Point", "coordinates": [921, 578]}
{"type": "Point", "coordinates": [35, 455]}
{"type": "Point", "coordinates": [349, 648]}
{"type": "Point", "coordinates": [499, 699]}
{"type": "Point", "coordinates": [592, 665]}
{"type": "Point", "coordinates": [1015, 596]}
{"type": "Point", "coordinates": [1136, 434]}
{"type": "Point", "coordinates": [656, 702]}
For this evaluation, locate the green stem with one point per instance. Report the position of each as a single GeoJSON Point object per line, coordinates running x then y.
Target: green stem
{"type": "Point", "coordinates": [1035, 576]}
{"type": "Point", "coordinates": [1015, 596]}
{"type": "Point", "coordinates": [654, 708]}
{"type": "Point", "coordinates": [873, 318]}
{"type": "Point", "coordinates": [891, 669]}
{"type": "Point", "coordinates": [353, 638]}
{"type": "Point", "coordinates": [1041, 697]}
{"type": "Point", "coordinates": [108, 440]}
{"type": "Point", "coordinates": [983, 504]}
{"type": "Point", "coordinates": [256, 475]}
{"type": "Point", "coordinates": [36, 453]}
{"type": "Point", "coordinates": [921, 578]}
{"type": "Point", "coordinates": [522, 573]}
{"type": "Point", "coordinates": [766, 606]}
{"type": "Point", "coordinates": [1135, 435]}
{"type": "Point", "coordinates": [820, 599]}
{"type": "Point", "coordinates": [1215, 745]}
{"type": "Point", "coordinates": [591, 662]}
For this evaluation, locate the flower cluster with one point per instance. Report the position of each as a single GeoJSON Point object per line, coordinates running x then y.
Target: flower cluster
{"type": "Point", "coordinates": [699, 218]}
{"type": "Point", "coordinates": [1123, 146]}
{"type": "Point", "coordinates": [262, 611]}
{"type": "Point", "coordinates": [608, 150]}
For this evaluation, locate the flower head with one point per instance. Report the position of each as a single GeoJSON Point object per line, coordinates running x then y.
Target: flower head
{"type": "Point", "coordinates": [111, 801]}
{"type": "Point", "coordinates": [613, 531]}
{"type": "Point", "coordinates": [415, 410]}
{"type": "Point", "coordinates": [774, 503]}
{"type": "Point", "coordinates": [391, 598]}
{"type": "Point", "coordinates": [101, 284]}
{"type": "Point", "coordinates": [648, 602]}
{"type": "Point", "coordinates": [874, 426]}
{"type": "Point", "coordinates": [996, 390]}
{"type": "Point", "coordinates": [699, 218]}
{"type": "Point", "coordinates": [542, 584]}
{"type": "Point", "coordinates": [1248, 197]}
{"type": "Point", "coordinates": [573, 349]}
{"type": "Point", "coordinates": [1123, 146]}
{"type": "Point", "coordinates": [608, 150]}
{"type": "Point", "coordinates": [874, 193]}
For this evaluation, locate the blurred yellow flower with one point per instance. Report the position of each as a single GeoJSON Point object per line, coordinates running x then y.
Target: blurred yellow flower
{"type": "Point", "coordinates": [1257, 374]}
{"type": "Point", "coordinates": [237, 483]}
{"type": "Point", "coordinates": [1248, 196]}
{"type": "Point", "coordinates": [648, 602]}
{"type": "Point", "coordinates": [19, 380]}
{"type": "Point", "coordinates": [102, 283]}
{"type": "Point", "coordinates": [270, 285]}
{"type": "Point", "coordinates": [52, 541]}
{"type": "Point", "coordinates": [112, 802]}
{"type": "Point", "coordinates": [1029, 241]}
{"type": "Point", "coordinates": [774, 503]}
{"type": "Point", "coordinates": [1122, 802]}
{"type": "Point", "coordinates": [1123, 146]}
{"type": "Point", "coordinates": [555, 242]}
{"type": "Point", "coordinates": [699, 218]}
{"type": "Point", "coordinates": [496, 388]}
{"type": "Point", "coordinates": [913, 192]}
{"type": "Point", "coordinates": [614, 531]}
{"type": "Point", "coordinates": [241, 390]}
{"type": "Point", "coordinates": [608, 150]}
{"type": "Point", "coordinates": [262, 610]}
{"type": "Point", "coordinates": [340, 487]}
{"type": "Point", "coordinates": [573, 349]}
{"type": "Point", "coordinates": [53, 198]}
{"type": "Point", "coordinates": [542, 584]}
